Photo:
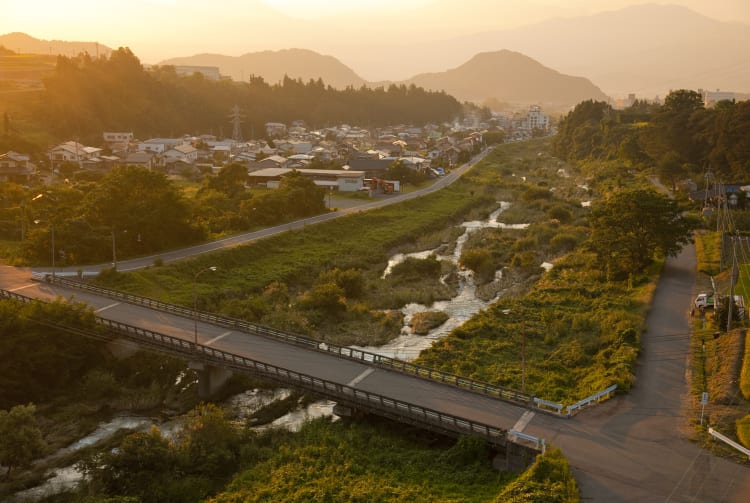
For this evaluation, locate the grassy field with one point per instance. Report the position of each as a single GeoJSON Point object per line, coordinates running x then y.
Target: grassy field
{"type": "Point", "coordinates": [720, 361]}
{"type": "Point", "coordinates": [581, 332]}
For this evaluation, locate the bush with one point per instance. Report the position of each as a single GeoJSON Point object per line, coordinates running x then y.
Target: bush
{"type": "Point", "coordinates": [743, 430]}
{"type": "Point", "coordinates": [745, 373]}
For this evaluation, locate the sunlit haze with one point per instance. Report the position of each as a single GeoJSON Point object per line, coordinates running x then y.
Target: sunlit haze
{"type": "Point", "coordinates": [378, 39]}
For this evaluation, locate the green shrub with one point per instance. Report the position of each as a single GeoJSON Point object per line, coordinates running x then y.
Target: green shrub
{"type": "Point", "coordinates": [549, 479]}
{"type": "Point", "coordinates": [743, 430]}
{"type": "Point", "coordinates": [560, 213]}
{"type": "Point", "coordinates": [745, 372]}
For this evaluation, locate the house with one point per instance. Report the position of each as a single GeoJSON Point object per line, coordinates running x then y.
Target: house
{"type": "Point", "coordinates": [141, 159]}
{"type": "Point", "coordinates": [159, 145]}
{"type": "Point", "coordinates": [71, 151]}
{"type": "Point", "coordinates": [112, 139]}
{"type": "Point", "coordinates": [372, 167]}
{"type": "Point", "coordinates": [273, 161]}
{"type": "Point", "coordinates": [183, 153]}
{"type": "Point", "coordinates": [15, 167]}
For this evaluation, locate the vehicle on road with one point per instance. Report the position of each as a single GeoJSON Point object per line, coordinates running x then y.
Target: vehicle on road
{"type": "Point", "coordinates": [706, 301]}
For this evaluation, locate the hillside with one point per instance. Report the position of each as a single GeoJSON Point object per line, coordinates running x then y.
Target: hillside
{"type": "Point", "coordinates": [645, 49]}
{"type": "Point", "coordinates": [274, 65]}
{"type": "Point", "coordinates": [510, 77]}
{"type": "Point", "coordinates": [26, 44]}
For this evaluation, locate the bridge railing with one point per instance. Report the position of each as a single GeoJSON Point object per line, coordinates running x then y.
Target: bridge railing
{"type": "Point", "coordinates": [365, 400]}
{"type": "Point", "coordinates": [299, 340]}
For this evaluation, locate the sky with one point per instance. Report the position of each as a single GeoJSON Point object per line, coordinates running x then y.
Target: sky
{"type": "Point", "coordinates": [156, 30]}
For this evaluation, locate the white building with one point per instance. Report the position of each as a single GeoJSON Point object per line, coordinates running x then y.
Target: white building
{"type": "Point", "coordinates": [710, 98]}
{"type": "Point", "coordinates": [536, 119]}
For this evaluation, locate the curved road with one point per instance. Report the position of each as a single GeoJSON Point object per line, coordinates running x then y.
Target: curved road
{"type": "Point", "coordinates": [631, 448]}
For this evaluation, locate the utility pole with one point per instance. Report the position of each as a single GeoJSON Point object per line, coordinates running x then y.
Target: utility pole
{"type": "Point", "coordinates": [523, 353]}
{"type": "Point", "coordinates": [731, 283]}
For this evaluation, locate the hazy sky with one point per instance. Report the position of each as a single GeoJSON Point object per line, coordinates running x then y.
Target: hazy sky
{"type": "Point", "coordinates": [159, 29]}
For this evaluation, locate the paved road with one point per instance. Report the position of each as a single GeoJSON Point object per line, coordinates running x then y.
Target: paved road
{"type": "Point", "coordinates": [239, 239]}
{"type": "Point", "coordinates": [633, 448]}
{"type": "Point", "coordinates": [404, 387]}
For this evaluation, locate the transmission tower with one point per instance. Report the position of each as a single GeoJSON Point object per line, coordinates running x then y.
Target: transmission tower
{"type": "Point", "coordinates": [236, 120]}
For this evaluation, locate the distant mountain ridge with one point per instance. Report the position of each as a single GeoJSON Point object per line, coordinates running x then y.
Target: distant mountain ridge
{"type": "Point", "coordinates": [506, 76]}
{"type": "Point", "coordinates": [23, 43]}
{"type": "Point", "coordinates": [274, 65]}
{"type": "Point", "coordinates": [644, 49]}
{"type": "Point", "coordinates": [511, 77]}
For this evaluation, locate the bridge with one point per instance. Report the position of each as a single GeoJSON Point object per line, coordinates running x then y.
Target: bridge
{"type": "Point", "coordinates": [356, 380]}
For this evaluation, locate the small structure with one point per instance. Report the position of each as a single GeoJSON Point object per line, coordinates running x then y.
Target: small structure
{"type": "Point", "coordinates": [341, 180]}
{"type": "Point", "coordinates": [15, 167]}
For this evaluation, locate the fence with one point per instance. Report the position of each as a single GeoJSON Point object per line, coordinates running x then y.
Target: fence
{"type": "Point", "coordinates": [597, 397]}
{"type": "Point", "coordinates": [357, 398]}
{"type": "Point", "coordinates": [472, 385]}
{"type": "Point", "coordinates": [299, 340]}
{"type": "Point", "coordinates": [729, 441]}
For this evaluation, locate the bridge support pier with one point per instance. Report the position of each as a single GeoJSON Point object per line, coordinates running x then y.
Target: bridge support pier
{"type": "Point", "coordinates": [516, 458]}
{"type": "Point", "coordinates": [210, 379]}
{"type": "Point", "coordinates": [343, 410]}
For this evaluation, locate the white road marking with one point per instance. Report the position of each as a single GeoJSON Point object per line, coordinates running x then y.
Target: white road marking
{"type": "Point", "coordinates": [218, 338]}
{"type": "Point", "coordinates": [361, 377]}
{"type": "Point", "coordinates": [523, 421]}
{"type": "Point", "coordinates": [21, 287]}
{"type": "Point", "coordinates": [107, 307]}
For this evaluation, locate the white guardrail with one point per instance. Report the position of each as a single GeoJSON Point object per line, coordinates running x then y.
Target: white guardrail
{"type": "Point", "coordinates": [539, 443]}
{"type": "Point", "coordinates": [729, 441]}
{"type": "Point", "coordinates": [593, 398]}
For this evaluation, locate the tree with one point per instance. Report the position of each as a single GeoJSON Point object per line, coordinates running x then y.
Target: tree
{"type": "Point", "coordinates": [144, 203]}
{"type": "Point", "coordinates": [670, 169]}
{"type": "Point", "coordinates": [631, 226]}
{"type": "Point", "coordinates": [20, 438]}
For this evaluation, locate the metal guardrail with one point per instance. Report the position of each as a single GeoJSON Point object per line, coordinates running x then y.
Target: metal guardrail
{"type": "Point", "coordinates": [593, 398]}
{"type": "Point", "coordinates": [729, 441]}
{"type": "Point", "coordinates": [539, 443]}
{"type": "Point", "coordinates": [557, 407]}
{"type": "Point", "coordinates": [299, 340]}
{"type": "Point", "coordinates": [365, 400]}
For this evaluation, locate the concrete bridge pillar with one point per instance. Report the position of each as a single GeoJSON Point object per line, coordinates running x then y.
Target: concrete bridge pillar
{"type": "Point", "coordinates": [210, 378]}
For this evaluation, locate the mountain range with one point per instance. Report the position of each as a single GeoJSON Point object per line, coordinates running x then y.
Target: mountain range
{"type": "Point", "coordinates": [646, 49]}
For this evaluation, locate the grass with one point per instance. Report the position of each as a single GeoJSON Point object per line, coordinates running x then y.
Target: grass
{"type": "Point", "coordinates": [720, 363]}
{"type": "Point", "coordinates": [369, 461]}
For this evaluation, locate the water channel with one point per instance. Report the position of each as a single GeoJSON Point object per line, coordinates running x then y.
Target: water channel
{"type": "Point", "coordinates": [406, 347]}
{"type": "Point", "coordinates": [459, 309]}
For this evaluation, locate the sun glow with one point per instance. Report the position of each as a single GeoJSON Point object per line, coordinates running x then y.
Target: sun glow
{"type": "Point", "coordinates": [324, 8]}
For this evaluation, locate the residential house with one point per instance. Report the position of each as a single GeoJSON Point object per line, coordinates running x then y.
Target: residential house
{"type": "Point", "coordinates": [115, 140]}
{"type": "Point", "coordinates": [142, 159]}
{"type": "Point", "coordinates": [71, 151]}
{"type": "Point", "coordinates": [15, 167]}
{"type": "Point", "coordinates": [183, 153]}
{"type": "Point", "coordinates": [273, 161]}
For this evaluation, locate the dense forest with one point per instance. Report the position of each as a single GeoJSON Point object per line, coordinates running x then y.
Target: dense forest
{"type": "Point", "coordinates": [680, 138]}
{"type": "Point", "coordinates": [86, 96]}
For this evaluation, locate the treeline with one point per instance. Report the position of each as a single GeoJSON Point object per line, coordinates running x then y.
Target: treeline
{"type": "Point", "coordinates": [133, 211]}
{"type": "Point", "coordinates": [86, 96]}
{"type": "Point", "coordinates": [679, 138]}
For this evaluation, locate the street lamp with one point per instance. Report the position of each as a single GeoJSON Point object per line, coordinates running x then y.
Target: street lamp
{"type": "Point", "coordinates": [52, 237]}
{"type": "Point", "coordinates": [195, 301]}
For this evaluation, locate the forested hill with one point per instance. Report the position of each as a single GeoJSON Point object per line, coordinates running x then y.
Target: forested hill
{"type": "Point", "coordinates": [274, 65]}
{"type": "Point", "coordinates": [511, 77]}
{"type": "Point", "coordinates": [86, 96]}
{"type": "Point", "coordinates": [679, 139]}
